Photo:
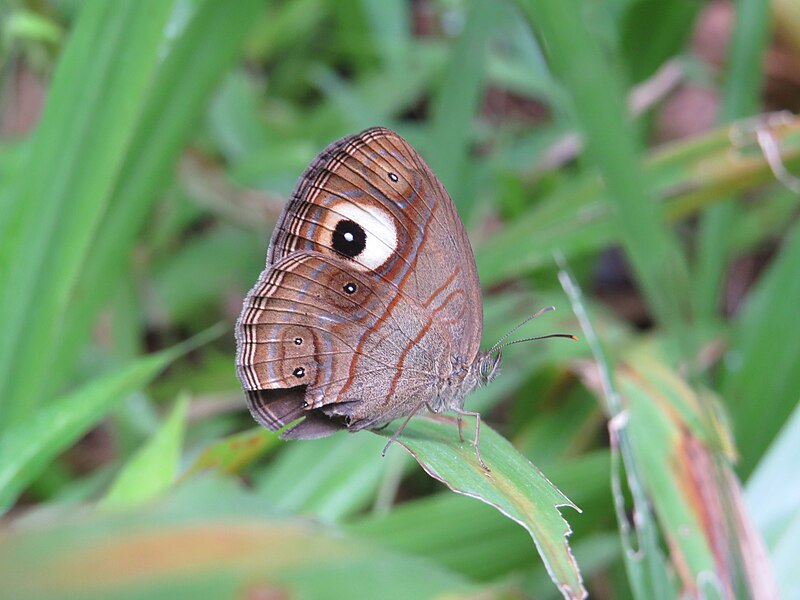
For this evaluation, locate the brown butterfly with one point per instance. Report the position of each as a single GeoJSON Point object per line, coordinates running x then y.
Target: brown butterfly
{"type": "Point", "coordinates": [369, 308]}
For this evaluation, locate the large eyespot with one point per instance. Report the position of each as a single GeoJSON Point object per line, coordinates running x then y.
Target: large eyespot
{"type": "Point", "coordinates": [349, 238]}
{"type": "Point", "coordinates": [366, 234]}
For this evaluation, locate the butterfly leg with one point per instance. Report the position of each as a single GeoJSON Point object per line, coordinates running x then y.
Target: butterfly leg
{"type": "Point", "coordinates": [467, 413]}
{"type": "Point", "coordinates": [400, 429]}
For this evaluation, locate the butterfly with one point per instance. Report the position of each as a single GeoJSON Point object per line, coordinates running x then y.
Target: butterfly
{"type": "Point", "coordinates": [369, 308]}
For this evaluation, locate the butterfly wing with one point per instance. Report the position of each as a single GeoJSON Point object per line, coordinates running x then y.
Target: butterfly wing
{"type": "Point", "coordinates": [367, 211]}
{"type": "Point", "coordinates": [414, 238]}
{"type": "Point", "coordinates": [318, 338]}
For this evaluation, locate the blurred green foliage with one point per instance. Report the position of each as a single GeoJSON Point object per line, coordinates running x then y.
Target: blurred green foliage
{"type": "Point", "coordinates": [148, 148]}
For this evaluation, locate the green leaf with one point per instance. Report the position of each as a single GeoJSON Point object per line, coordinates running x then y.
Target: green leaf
{"type": "Point", "coordinates": [25, 25]}
{"type": "Point", "coordinates": [455, 531]}
{"type": "Point", "coordinates": [153, 468]}
{"type": "Point", "coordinates": [234, 453]}
{"type": "Point", "coordinates": [472, 537]}
{"type": "Point", "coordinates": [513, 486]}
{"type": "Point", "coordinates": [26, 448]}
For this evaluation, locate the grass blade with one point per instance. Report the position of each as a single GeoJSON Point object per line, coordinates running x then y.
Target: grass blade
{"type": "Point", "coordinates": [741, 98]}
{"type": "Point", "coordinates": [611, 144]}
{"type": "Point", "coordinates": [182, 85]}
{"type": "Point", "coordinates": [66, 186]}
{"type": "Point", "coordinates": [773, 496]}
{"type": "Point", "coordinates": [234, 453]}
{"type": "Point", "coordinates": [454, 107]}
{"type": "Point", "coordinates": [33, 443]}
{"type": "Point", "coordinates": [761, 344]}
{"type": "Point", "coordinates": [685, 467]}
{"type": "Point", "coordinates": [649, 575]}
{"type": "Point", "coordinates": [153, 468]}
{"type": "Point", "coordinates": [209, 540]}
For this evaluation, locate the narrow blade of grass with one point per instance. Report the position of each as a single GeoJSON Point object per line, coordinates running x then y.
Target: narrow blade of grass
{"type": "Point", "coordinates": [390, 30]}
{"type": "Point", "coordinates": [761, 380]}
{"type": "Point", "coordinates": [153, 468]}
{"type": "Point", "coordinates": [455, 105]}
{"type": "Point", "coordinates": [773, 496]}
{"type": "Point", "coordinates": [648, 573]}
{"type": "Point", "coordinates": [741, 97]}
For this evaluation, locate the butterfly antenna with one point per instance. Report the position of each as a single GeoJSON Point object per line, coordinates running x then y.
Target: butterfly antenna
{"type": "Point", "coordinates": [499, 343]}
{"type": "Point", "coordinates": [539, 337]}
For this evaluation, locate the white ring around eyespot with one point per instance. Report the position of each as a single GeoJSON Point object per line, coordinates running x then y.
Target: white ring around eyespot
{"type": "Point", "coordinates": [379, 226]}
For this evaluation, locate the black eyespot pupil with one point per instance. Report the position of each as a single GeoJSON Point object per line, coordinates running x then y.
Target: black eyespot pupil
{"type": "Point", "coordinates": [299, 372]}
{"type": "Point", "coordinates": [393, 177]}
{"type": "Point", "coordinates": [349, 238]}
{"type": "Point", "coordinates": [350, 288]}
{"type": "Point", "coordinates": [298, 341]}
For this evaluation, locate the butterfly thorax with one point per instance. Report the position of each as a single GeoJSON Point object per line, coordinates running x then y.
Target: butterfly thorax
{"type": "Point", "coordinates": [464, 379]}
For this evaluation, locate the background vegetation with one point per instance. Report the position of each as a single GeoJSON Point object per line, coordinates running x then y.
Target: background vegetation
{"type": "Point", "coordinates": [606, 159]}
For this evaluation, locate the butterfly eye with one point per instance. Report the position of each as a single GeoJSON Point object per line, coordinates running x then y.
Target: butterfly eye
{"type": "Point", "coordinates": [488, 368]}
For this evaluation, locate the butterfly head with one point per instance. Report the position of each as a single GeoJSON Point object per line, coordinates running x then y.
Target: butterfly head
{"type": "Point", "coordinates": [487, 367]}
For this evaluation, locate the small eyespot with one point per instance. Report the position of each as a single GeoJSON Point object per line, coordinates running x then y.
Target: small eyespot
{"type": "Point", "coordinates": [394, 177]}
{"type": "Point", "coordinates": [305, 404]}
{"type": "Point", "coordinates": [299, 372]}
{"type": "Point", "coordinates": [298, 341]}
{"type": "Point", "coordinates": [350, 288]}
